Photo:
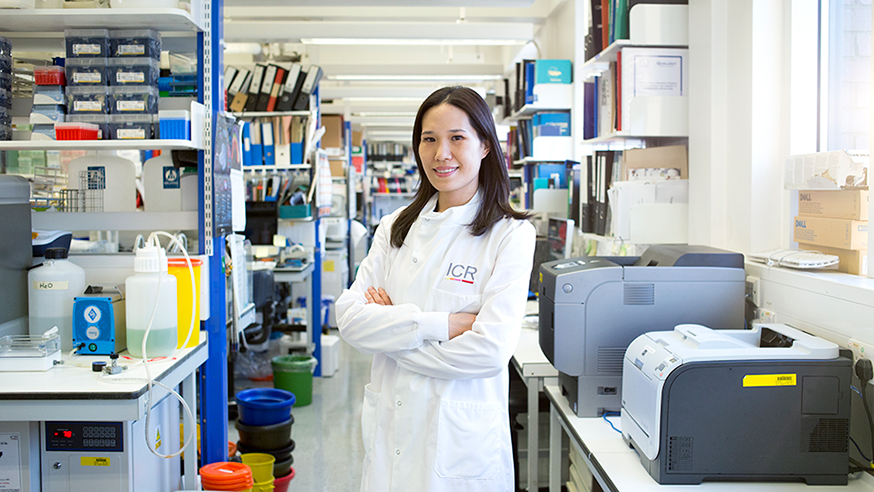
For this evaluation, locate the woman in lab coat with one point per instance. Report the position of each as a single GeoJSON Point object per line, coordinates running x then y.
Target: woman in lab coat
{"type": "Point", "coordinates": [439, 302]}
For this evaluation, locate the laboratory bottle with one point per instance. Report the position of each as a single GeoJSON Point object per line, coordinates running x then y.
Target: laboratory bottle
{"type": "Point", "coordinates": [52, 287]}
{"type": "Point", "coordinates": [141, 292]}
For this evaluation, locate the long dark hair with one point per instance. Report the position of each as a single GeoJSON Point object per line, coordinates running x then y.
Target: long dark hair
{"type": "Point", "coordinates": [494, 182]}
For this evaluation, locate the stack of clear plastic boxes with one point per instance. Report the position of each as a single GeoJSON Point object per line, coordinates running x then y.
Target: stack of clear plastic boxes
{"type": "Point", "coordinates": [119, 80]}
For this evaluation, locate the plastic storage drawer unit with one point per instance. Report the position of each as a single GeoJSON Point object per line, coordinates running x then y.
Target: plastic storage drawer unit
{"type": "Point", "coordinates": [76, 131]}
{"type": "Point", "coordinates": [49, 94]}
{"type": "Point", "coordinates": [135, 42]}
{"type": "Point", "coordinates": [53, 75]}
{"type": "Point", "coordinates": [175, 124]}
{"type": "Point", "coordinates": [130, 127]}
{"type": "Point", "coordinates": [101, 120]}
{"type": "Point", "coordinates": [87, 100]}
{"type": "Point", "coordinates": [137, 99]}
{"type": "Point", "coordinates": [87, 71]}
{"type": "Point", "coordinates": [87, 43]}
{"type": "Point", "coordinates": [133, 71]}
{"type": "Point", "coordinates": [46, 113]}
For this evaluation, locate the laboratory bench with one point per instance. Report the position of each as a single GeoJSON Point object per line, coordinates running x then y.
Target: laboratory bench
{"type": "Point", "coordinates": [72, 392]}
{"type": "Point", "coordinates": [617, 467]}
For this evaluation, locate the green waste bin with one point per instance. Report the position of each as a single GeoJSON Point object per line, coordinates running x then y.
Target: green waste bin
{"type": "Point", "coordinates": [294, 373]}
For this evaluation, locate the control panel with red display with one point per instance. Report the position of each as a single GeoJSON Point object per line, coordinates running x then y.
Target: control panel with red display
{"type": "Point", "coordinates": [84, 436]}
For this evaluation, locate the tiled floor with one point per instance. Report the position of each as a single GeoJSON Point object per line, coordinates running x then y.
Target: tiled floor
{"type": "Point", "coordinates": [327, 433]}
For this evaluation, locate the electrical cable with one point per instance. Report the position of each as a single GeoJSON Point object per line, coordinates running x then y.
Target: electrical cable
{"type": "Point", "coordinates": [611, 414]}
{"type": "Point", "coordinates": [859, 449]}
{"type": "Point", "coordinates": [865, 373]}
{"type": "Point", "coordinates": [153, 240]}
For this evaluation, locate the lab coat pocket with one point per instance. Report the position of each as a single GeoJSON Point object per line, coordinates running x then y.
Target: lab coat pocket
{"type": "Point", "coordinates": [369, 419]}
{"type": "Point", "coordinates": [468, 440]}
{"type": "Point", "coordinates": [452, 302]}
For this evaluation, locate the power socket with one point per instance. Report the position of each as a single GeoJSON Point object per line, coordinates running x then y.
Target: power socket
{"type": "Point", "coordinates": [861, 350]}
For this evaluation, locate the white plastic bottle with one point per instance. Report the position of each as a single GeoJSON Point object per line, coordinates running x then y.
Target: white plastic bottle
{"type": "Point", "coordinates": [51, 288]}
{"type": "Point", "coordinates": [141, 291]}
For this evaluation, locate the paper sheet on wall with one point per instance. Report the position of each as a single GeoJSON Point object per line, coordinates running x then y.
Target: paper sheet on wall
{"type": "Point", "coordinates": [325, 184]}
{"type": "Point", "coordinates": [10, 462]}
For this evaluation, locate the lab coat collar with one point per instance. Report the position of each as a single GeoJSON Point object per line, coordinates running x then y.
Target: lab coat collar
{"type": "Point", "coordinates": [462, 214]}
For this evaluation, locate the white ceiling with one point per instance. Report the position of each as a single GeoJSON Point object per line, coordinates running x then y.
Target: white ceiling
{"type": "Point", "coordinates": [283, 27]}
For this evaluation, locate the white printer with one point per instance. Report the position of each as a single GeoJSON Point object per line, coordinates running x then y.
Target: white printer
{"type": "Point", "coordinates": [767, 404]}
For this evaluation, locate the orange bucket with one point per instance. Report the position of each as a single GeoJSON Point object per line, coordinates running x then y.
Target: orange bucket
{"type": "Point", "coordinates": [225, 475]}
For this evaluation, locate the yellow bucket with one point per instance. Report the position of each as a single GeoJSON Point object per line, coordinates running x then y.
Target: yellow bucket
{"type": "Point", "coordinates": [263, 486]}
{"type": "Point", "coordinates": [178, 267]}
{"type": "Point", "coordinates": [262, 468]}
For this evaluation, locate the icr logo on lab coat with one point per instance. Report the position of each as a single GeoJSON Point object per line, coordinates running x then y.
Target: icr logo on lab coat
{"type": "Point", "coordinates": [461, 273]}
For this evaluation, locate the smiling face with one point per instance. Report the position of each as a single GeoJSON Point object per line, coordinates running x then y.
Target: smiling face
{"type": "Point", "coordinates": [451, 154]}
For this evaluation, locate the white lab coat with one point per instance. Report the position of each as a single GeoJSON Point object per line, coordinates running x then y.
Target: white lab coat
{"type": "Point", "coordinates": [435, 415]}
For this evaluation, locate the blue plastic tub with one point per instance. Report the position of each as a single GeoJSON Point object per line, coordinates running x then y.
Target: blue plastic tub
{"type": "Point", "coordinates": [264, 406]}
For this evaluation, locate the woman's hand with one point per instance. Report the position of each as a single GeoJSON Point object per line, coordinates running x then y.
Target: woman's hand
{"type": "Point", "coordinates": [460, 323]}
{"type": "Point", "coordinates": [377, 296]}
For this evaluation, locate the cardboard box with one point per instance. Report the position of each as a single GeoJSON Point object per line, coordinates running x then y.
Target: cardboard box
{"type": "Point", "coordinates": [357, 138]}
{"type": "Point", "coordinates": [670, 157]}
{"type": "Point", "coordinates": [852, 261]}
{"type": "Point", "coordinates": [333, 137]}
{"type": "Point", "coordinates": [837, 204]}
{"type": "Point", "coordinates": [338, 168]}
{"type": "Point", "coordinates": [833, 233]}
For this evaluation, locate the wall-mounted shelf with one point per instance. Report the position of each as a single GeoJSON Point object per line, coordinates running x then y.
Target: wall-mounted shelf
{"type": "Point", "coordinates": [114, 221]}
{"type": "Point", "coordinates": [267, 114]}
{"type": "Point", "coordinates": [51, 22]}
{"type": "Point", "coordinates": [532, 160]}
{"type": "Point", "coordinates": [152, 144]}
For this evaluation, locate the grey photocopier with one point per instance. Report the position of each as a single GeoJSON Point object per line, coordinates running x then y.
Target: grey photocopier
{"type": "Point", "coordinates": [591, 308]}
{"type": "Point", "coordinates": [767, 404]}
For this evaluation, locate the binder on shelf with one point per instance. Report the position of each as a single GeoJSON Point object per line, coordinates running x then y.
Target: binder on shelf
{"type": "Point", "coordinates": [230, 73]}
{"type": "Point", "coordinates": [257, 148]}
{"type": "Point", "coordinates": [595, 29]}
{"type": "Point", "coordinates": [530, 74]}
{"type": "Point", "coordinates": [238, 103]}
{"type": "Point", "coordinates": [291, 88]}
{"type": "Point", "coordinates": [236, 84]}
{"type": "Point", "coordinates": [282, 140]}
{"type": "Point", "coordinates": [278, 80]}
{"type": "Point", "coordinates": [588, 111]}
{"type": "Point", "coordinates": [314, 75]}
{"type": "Point", "coordinates": [267, 143]}
{"type": "Point", "coordinates": [247, 144]}
{"type": "Point", "coordinates": [298, 128]}
{"type": "Point", "coordinates": [255, 87]}
{"type": "Point", "coordinates": [266, 87]}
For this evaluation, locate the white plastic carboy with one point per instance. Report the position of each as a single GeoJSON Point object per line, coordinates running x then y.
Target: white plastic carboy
{"type": "Point", "coordinates": [151, 304]}
{"type": "Point", "coordinates": [51, 289]}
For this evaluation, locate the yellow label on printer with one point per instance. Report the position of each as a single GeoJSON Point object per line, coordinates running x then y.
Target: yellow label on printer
{"type": "Point", "coordinates": [93, 461]}
{"type": "Point", "coordinates": [759, 380]}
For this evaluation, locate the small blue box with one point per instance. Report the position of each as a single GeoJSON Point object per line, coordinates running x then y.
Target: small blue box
{"type": "Point", "coordinates": [552, 72]}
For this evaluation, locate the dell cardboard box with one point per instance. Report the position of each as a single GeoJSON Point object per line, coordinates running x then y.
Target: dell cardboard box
{"type": "Point", "coordinates": [833, 233]}
{"type": "Point", "coordinates": [837, 204]}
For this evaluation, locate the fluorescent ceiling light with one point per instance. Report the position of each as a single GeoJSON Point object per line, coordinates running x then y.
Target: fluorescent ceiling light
{"type": "Point", "coordinates": [416, 77]}
{"type": "Point", "coordinates": [384, 124]}
{"type": "Point", "coordinates": [414, 42]}
{"type": "Point", "coordinates": [381, 99]}
{"type": "Point", "coordinates": [385, 113]}
{"type": "Point", "coordinates": [387, 132]}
